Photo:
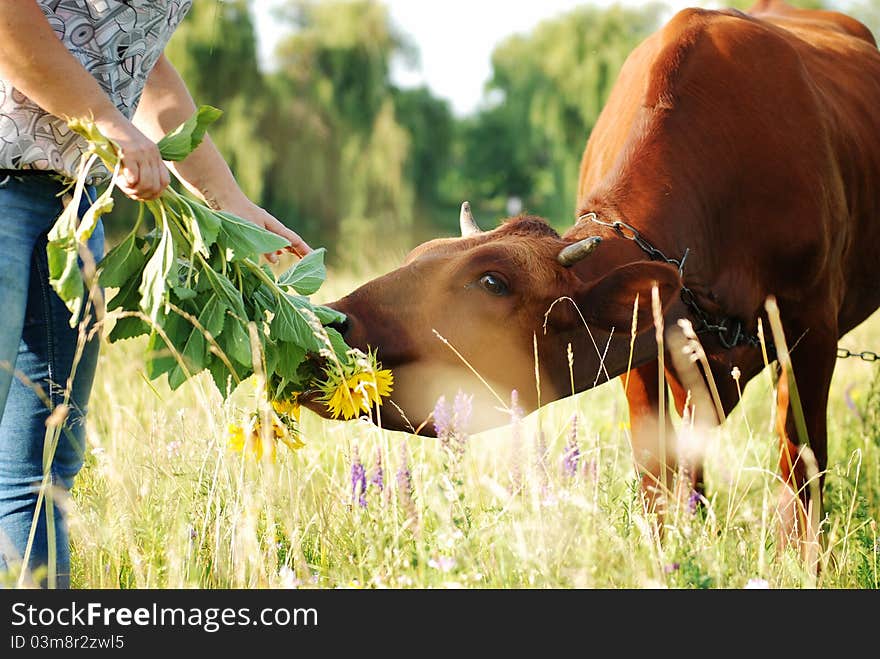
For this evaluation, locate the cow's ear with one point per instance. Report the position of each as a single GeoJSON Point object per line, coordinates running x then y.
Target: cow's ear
{"type": "Point", "coordinates": [610, 301]}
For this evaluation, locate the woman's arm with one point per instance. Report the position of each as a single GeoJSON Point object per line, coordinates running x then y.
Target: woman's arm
{"type": "Point", "coordinates": [35, 61]}
{"type": "Point", "coordinates": [166, 103]}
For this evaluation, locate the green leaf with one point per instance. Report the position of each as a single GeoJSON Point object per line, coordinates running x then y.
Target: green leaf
{"type": "Point", "coordinates": [249, 283]}
{"type": "Point", "coordinates": [102, 206]}
{"type": "Point", "coordinates": [183, 293]}
{"type": "Point", "coordinates": [220, 374]}
{"type": "Point", "coordinates": [153, 287]}
{"type": "Point", "coordinates": [185, 139]}
{"type": "Point", "coordinates": [212, 316]}
{"type": "Point", "coordinates": [101, 145]}
{"type": "Point", "coordinates": [289, 325]}
{"type": "Point", "coordinates": [264, 299]}
{"type": "Point", "coordinates": [127, 298]}
{"type": "Point", "coordinates": [121, 263]}
{"type": "Point", "coordinates": [290, 356]}
{"type": "Point", "coordinates": [204, 224]}
{"type": "Point", "coordinates": [195, 357]}
{"type": "Point", "coordinates": [128, 328]}
{"type": "Point", "coordinates": [65, 275]}
{"type": "Point", "coordinates": [245, 240]}
{"type": "Point", "coordinates": [226, 291]}
{"type": "Point", "coordinates": [62, 253]}
{"type": "Point", "coordinates": [160, 357]}
{"type": "Point", "coordinates": [307, 276]}
{"type": "Point", "coordinates": [329, 316]}
{"type": "Point", "coordinates": [340, 347]}
{"type": "Point", "coordinates": [235, 342]}
{"type": "Point", "coordinates": [270, 356]}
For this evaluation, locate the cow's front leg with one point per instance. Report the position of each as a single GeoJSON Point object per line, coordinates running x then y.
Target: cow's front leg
{"type": "Point", "coordinates": [653, 449]}
{"type": "Point", "coordinates": [803, 473]}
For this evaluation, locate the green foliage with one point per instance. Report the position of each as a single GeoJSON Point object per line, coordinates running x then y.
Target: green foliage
{"type": "Point", "coordinates": [182, 141]}
{"type": "Point", "coordinates": [215, 51]}
{"type": "Point", "coordinates": [550, 86]}
{"type": "Point", "coordinates": [307, 275]}
{"type": "Point", "coordinates": [343, 168]}
{"type": "Point", "coordinates": [431, 128]}
{"type": "Point", "coordinates": [194, 280]}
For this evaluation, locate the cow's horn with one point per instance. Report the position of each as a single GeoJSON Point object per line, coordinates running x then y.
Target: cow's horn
{"type": "Point", "coordinates": [469, 225]}
{"type": "Point", "coordinates": [577, 252]}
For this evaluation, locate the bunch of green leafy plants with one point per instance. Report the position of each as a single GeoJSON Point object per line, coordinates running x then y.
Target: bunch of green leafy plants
{"type": "Point", "coordinates": [191, 280]}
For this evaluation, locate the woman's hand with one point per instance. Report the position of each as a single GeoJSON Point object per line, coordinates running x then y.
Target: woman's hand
{"type": "Point", "coordinates": [248, 210]}
{"type": "Point", "coordinates": [143, 174]}
{"type": "Point", "coordinates": [165, 104]}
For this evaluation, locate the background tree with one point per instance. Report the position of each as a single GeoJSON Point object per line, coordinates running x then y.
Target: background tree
{"type": "Point", "coordinates": [548, 88]}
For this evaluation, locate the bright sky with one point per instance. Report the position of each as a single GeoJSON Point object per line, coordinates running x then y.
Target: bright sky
{"type": "Point", "coordinates": [455, 39]}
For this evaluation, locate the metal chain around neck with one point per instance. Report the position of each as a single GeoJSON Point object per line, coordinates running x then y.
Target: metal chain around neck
{"type": "Point", "coordinates": [730, 331]}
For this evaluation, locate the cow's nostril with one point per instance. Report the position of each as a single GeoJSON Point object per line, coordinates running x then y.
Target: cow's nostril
{"type": "Point", "coordinates": [341, 327]}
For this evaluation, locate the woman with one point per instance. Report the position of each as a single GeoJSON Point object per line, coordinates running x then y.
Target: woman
{"type": "Point", "coordinates": [59, 59]}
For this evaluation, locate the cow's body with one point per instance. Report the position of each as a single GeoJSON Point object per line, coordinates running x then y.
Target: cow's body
{"type": "Point", "coordinates": [751, 140]}
{"type": "Point", "coordinates": [755, 142]}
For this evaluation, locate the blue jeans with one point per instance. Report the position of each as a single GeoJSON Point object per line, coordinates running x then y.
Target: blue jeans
{"type": "Point", "coordinates": [36, 340]}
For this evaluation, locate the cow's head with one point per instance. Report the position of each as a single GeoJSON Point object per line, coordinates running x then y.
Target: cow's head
{"type": "Point", "coordinates": [496, 311]}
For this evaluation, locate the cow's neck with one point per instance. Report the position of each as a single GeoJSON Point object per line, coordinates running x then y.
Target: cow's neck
{"type": "Point", "coordinates": [669, 230]}
{"type": "Point", "coordinates": [598, 344]}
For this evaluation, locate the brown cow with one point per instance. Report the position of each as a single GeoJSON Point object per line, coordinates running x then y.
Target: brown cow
{"type": "Point", "coordinates": [748, 142]}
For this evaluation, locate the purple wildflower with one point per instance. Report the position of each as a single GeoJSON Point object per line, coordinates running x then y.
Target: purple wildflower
{"type": "Point", "coordinates": [358, 479]}
{"type": "Point", "coordinates": [451, 424]}
{"type": "Point", "coordinates": [693, 502]}
{"type": "Point", "coordinates": [405, 485]}
{"type": "Point", "coordinates": [442, 418]}
{"type": "Point", "coordinates": [378, 476]}
{"type": "Point", "coordinates": [404, 476]}
{"type": "Point", "coordinates": [461, 412]}
{"type": "Point", "coordinates": [672, 567]}
{"type": "Point", "coordinates": [572, 456]}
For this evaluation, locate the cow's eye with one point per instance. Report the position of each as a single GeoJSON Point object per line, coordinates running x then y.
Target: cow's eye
{"type": "Point", "coordinates": [494, 285]}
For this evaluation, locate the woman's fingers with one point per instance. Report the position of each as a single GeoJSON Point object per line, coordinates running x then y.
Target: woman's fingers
{"type": "Point", "coordinates": [144, 175]}
{"type": "Point", "coordinates": [297, 246]}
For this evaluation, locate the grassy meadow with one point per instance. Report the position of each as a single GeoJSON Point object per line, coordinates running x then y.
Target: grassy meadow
{"type": "Point", "coordinates": [163, 503]}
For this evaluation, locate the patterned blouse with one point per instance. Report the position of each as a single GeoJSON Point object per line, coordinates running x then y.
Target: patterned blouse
{"type": "Point", "coordinates": [118, 42]}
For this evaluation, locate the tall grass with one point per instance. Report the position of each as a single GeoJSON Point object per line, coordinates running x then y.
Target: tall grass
{"type": "Point", "coordinates": [545, 502]}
